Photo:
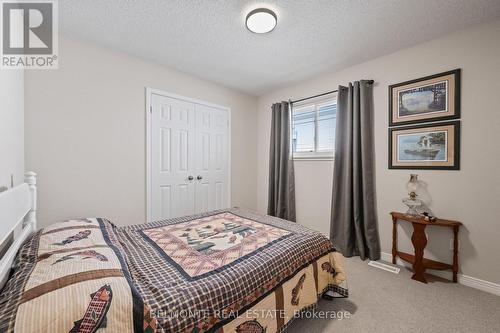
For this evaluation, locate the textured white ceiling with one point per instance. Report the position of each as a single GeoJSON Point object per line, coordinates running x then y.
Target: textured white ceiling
{"type": "Point", "coordinates": [208, 38]}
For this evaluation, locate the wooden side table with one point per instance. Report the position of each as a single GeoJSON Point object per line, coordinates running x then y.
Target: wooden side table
{"type": "Point", "coordinates": [419, 241]}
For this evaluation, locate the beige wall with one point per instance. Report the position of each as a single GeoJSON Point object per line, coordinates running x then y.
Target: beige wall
{"type": "Point", "coordinates": [470, 195]}
{"type": "Point", "coordinates": [11, 126]}
{"type": "Point", "coordinates": [313, 193]}
{"type": "Point", "coordinates": [85, 132]}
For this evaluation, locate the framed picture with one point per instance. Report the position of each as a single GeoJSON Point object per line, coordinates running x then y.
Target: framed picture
{"type": "Point", "coordinates": [430, 146]}
{"type": "Point", "coordinates": [431, 98]}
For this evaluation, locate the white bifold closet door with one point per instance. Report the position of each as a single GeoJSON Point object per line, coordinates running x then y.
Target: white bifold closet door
{"type": "Point", "coordinates": [189, 151]}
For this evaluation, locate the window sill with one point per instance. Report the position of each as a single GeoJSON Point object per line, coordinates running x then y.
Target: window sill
{"type": "Point", "coordinates": [313, 158]}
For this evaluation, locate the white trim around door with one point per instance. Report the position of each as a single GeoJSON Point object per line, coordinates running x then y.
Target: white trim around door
{"type": "Point", "coordinates": [149, 107]}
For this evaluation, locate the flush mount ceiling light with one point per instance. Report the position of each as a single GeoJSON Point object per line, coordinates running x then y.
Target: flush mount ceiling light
{"type": "Point", "coordinates": [261, 20]}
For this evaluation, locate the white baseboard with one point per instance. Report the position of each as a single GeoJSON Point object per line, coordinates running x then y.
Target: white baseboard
{"type": "Point", "coordinates": [466, 280]}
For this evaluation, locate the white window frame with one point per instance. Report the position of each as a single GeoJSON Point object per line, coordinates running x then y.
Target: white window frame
{"type": "Point", "coordinates": [314, 155]}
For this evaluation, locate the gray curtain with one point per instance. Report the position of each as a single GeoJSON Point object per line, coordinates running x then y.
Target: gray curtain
{"type": "Point", "coordinates": [281, 201]}
{"type": "Point", "coordinates": [353, 226]}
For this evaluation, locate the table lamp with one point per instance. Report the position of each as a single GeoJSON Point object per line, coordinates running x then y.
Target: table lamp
{"type": "Point", "coordinates": [412, 202]}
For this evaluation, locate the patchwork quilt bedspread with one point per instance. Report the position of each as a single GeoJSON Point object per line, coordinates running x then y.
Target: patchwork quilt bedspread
{"type": "Point", "coordinates": [223, 271]}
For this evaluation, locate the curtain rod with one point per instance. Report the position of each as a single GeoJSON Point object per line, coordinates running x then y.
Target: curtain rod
{"type": "Point", "coordinates": [323, 94]}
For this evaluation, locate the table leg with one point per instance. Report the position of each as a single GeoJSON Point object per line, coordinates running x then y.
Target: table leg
{"type": "Point", "coordinates": [394, 239]}
{"type": "Point", "coordinates": [455, 253]}
{"type": "Point", "coordinates": [419, 241]}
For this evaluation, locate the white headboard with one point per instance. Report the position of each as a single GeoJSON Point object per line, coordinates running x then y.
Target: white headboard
{"type": "Point", "coordinates": [17, 221]}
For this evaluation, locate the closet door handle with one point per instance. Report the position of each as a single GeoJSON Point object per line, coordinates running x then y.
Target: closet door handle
{"type": "Point", "coordinates": [199, 177]}
{"type": "Point", "coordinates": [190, 177]}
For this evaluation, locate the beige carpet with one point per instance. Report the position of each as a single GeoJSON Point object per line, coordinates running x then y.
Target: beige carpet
{"type": "Point", "coordinates": [385, 302]}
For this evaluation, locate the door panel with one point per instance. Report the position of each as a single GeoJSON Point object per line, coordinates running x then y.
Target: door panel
{"type": "Point", "coordinates": [183, 147]}
{"type": "Point", "coordinates": [187, 139]}
{"type": "Point", "coordinates": [166, 200]}
{"type": "Point", "coordinates": [172, 157]}
{"type": "Point", "coordinates": [165, 150]}
{"type": "Point", "coordinates": [219, 195]}
{"type": "Point", "coordinates": [211, 157]}
{"type": "Point", "coordinates": [203, 196]}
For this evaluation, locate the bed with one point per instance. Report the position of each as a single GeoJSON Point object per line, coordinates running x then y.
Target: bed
{"type": "Point", "coordinates": [223, 271]}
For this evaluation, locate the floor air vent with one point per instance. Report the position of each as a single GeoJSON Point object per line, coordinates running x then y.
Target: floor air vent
{"type": "Point", "coordinates": [385, 267]}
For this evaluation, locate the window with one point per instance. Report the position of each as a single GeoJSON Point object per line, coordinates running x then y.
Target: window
{"type": "Point", "coordinates": [313, 128]}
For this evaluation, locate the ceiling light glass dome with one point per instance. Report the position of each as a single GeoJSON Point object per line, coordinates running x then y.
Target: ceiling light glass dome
{"type": "Point", "coordinates": [261, 20]}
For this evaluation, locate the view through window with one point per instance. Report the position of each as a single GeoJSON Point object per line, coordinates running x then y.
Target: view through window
{"type": "Point", "coordinates": [313, 128]}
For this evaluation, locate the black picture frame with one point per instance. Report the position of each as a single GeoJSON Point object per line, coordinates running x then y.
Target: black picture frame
{"type": "Point", "coordinates": [456, 149]}
{"type": "Point", "coordinates": [457, 93]}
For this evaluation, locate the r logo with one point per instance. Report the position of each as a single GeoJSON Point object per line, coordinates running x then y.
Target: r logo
{"type": "Point", "coordinates": [27, 27]}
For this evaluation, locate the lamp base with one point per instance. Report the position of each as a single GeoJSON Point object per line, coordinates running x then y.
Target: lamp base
{"type": "Point", "coordinates": [413, 205]}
